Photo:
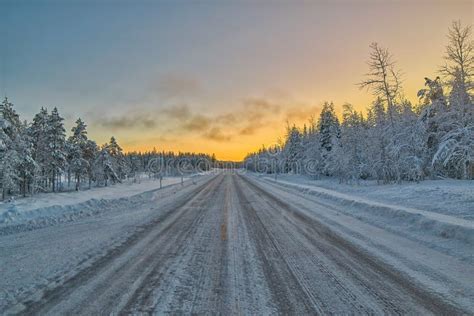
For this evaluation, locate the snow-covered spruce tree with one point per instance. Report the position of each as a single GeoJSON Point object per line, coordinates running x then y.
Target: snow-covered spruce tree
{"type": "Point", "coordinates": [311, 151]}
{"type": "Point", "coordinates": [8, 172]}
{"type": "Point", "coordinates": [119, 162]}
{"type": "Point", "coordinates": [352, 157]}
{"type": "Point", "coordinates": [56, 139]}
{"type": "Point", "coordinates": [432, 111]}
{"type": "Point", "coordinates": [10, 159]}
{"type": "Point", "coordinates": [293, 150]}
{"type": "Point", "coordinates": [407, 147]}
{"type": "Point", "coordinates": [38, 133]}
{"type": "Point", "coordinates": [454, 155]}
{"type": "Point", "coordinates": [329, 134]}
{"type": "Point", "coordinates": [135, 165]}
{"type": "Point", "coordinates": [76, 148]}
{"type": "Point", "coordinates": [379, 138]}
{"type": "Point", "coordinates": [90, 154]}
{"type": "Point", "coordinates": [460, 102]}
{"type": "Point", "coordinates": [103, 167]}
{"type": "Point", "coordinates": [455, 150]}
{"type": "Point", "coordinates": [266, 160]}
{"type": "Point", "coordinates": [28, 168]}
{"type": "Point", "coordinates": [276, 159]}
{"type": "Point", "coordinates": [263, 163]}
{"type": "Point", "coordinates": [312, 160]}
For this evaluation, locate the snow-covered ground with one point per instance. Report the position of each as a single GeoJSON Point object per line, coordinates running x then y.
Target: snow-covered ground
{"type": "Point", "coordinates": [231, 244]}
{"type": "Point", "coordinates": [55, 242]}
{"type": "Point", "coordinates": [440, 214]}
{"type": "Point", "coordinates": [53, 205]}
{"type": "Point", "coordinates": [449, 197]}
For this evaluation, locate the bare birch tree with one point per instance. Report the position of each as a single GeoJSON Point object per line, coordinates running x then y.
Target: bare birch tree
{"type": "Point", "coordinates": [459, 55]}
{"type": "Point", "coordinates": [383, 79]}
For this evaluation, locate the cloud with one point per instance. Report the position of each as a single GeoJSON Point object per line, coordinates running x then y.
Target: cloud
{"type": "Point", "coordinates": [180, 111]}
{"type": "Point", "coordinates": [161, 139]}
{"type": "Point", "coordinates": [226, 119]}
{"type": "Point", "coordinates": [216, 134]}
{"type": "Point", "coordinates": [250, 129]}
{"type": "Point", "coordinates": [255, 114]}
{"type": "Point", "coordinates": [197, 123]}
{"type": "Point", "coordinates": [140, 120]}
{"type": "Point", "coordinates": [301, 113]}
{"type": "Point", "coordinates": [261, 106]}
{"type": "Point", "coordinates": [247, 118]}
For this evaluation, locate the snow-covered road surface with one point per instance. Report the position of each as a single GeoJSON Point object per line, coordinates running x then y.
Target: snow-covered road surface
{"type": "Point", "coordinates": [231, 245]}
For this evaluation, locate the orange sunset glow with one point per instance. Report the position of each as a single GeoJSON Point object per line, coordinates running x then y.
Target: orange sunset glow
{"type": "Point", "coordinates": [209, 78]}
{"type": "Point", "coordinates": [236, 157]}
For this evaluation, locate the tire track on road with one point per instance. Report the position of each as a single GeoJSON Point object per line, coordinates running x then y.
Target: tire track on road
{"type": "Point", "coordinates": [289, 294]}
{"type": "Point", "coordinates": [53, 296]}
{"type": "Point", "coordinates": [166, 287]}
{"type": "Point", "coordinates": [377, 278]}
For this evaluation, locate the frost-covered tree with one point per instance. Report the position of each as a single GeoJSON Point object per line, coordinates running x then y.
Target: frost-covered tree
{"type": "Point", "coordinates": [35, 156]}
{"type": "Point", "coordinates": [312, 160]}
{"type": "Point", "coordinates": [103, 167]}
{"type": "Point", "coordinates": [119, 162]}
{"type": "Point", "coordinates": [28, 168]}
{"type": "Point", "coordinates": [459, 56]}
{"type": "Point", "coordinates": [432, 111]}
{"type": "Point", "coordinates": [7, 165]}
{"type": "Point", "coordinates": [8, 171]}
{"type": "Point", "coordinates": [111, 163]}
{"type": "Point", "coordinates": [293, 150]}
{"type": "Point", "coordinates": [379, 138]}
{"type": "Point", "coordinates": [38, 133]}
{"type": "Point", "coordinates": [448, 128]}
{"type": "Point", "coordinates": [329, 134]}
{"type": "Point", "coordinates": [9, 114]}
{"type": "Point", "coordinates": [9, 141]}
{"type": "Point", "coordinates": [77, 146]}
{"type": "Point", "coordinates": [17, 166]}
{"type": "Point", "coordinates": [328, 126]}
{"type": "Point", "coordinates": [56, 139]}
{"type": "Point", "coordinates": [407, 148]}
{"type": "Point", "coordinates": [454, 154]}
{"type": "Point", "coordinates": [396, 141]}
{"type": "Point", "coordinates": [383, 78]}
{"type": "Point", "coordinates": [89, 154]}
{"type": "Point", "coordinates": [352, 163]}
{"type": "Point", "coordinates": [459, 95]}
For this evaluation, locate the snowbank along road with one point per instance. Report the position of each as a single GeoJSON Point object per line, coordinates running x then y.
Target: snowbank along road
{"type": "Point", "coordinates": [228, 244]}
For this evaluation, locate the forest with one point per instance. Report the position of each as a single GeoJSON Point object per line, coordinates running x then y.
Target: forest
{"type": "Point", "coordinates": [395, 140]}
{"type": "Point", "coordinates": [37, 157]}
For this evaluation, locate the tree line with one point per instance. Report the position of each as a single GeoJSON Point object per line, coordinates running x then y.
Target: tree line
{"type": "Point", "coordinates": [395, 140]}
{"type": "Point", "coordinates": [38, 157]}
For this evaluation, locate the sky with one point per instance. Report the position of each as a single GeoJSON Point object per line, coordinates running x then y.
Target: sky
{"type": "Point", "coordinates": [219, 77]}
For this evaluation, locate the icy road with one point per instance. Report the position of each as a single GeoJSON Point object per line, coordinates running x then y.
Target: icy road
{"type": "Point", "coordinates": [228, 244]}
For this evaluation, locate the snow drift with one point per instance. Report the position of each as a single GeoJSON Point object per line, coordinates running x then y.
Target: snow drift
{"type": "Point", "coordinates": [440, 225]}
{"type": "Point", "coordinates": [24, 215]}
